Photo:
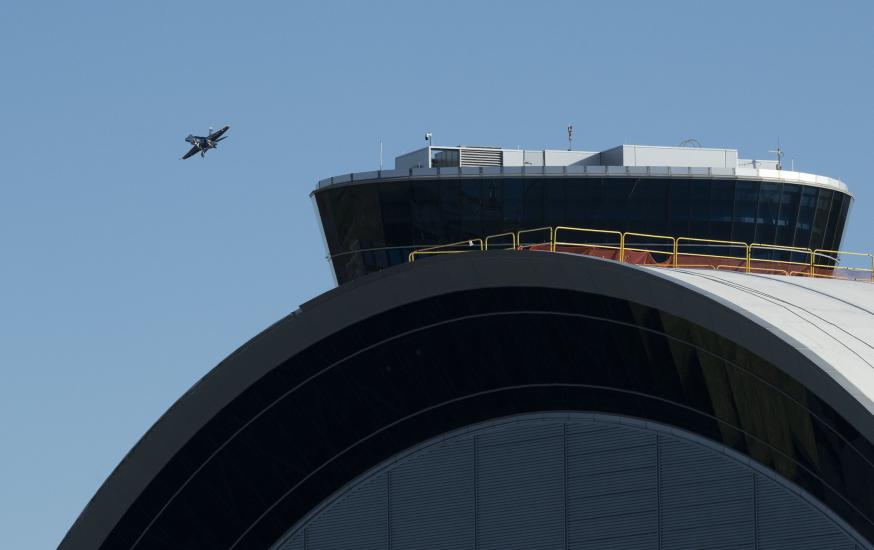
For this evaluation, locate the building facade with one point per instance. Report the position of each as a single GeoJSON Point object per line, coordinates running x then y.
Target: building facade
{"type": "Point", "coordinates": [524, 399]}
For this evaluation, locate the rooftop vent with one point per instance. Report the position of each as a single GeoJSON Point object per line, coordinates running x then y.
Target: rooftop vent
{"type": "Point", "coordinates": [482, 157]}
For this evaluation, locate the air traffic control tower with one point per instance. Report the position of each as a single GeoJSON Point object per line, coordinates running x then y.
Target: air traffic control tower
{"type": "Point", "coordinates": [644, 347]}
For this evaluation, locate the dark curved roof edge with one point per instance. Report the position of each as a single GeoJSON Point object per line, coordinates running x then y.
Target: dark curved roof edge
{"type": "Point", "coordinates": [406, 283]}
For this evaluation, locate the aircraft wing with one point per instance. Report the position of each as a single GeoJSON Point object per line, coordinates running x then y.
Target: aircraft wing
{"type": "Point", "coordinates": [217, 134]}
{"type": "Point", "coordinates": [192, 151]}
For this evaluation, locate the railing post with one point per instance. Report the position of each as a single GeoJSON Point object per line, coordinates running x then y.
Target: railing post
{"type": "Point", "coordinates": [676, 251]}
{"type": "Point", "coordinates": [621, 247]}
{"type": "Point", "coordinates": [749, 253]}
{"type": "Point", "coordinates": [813, 263]}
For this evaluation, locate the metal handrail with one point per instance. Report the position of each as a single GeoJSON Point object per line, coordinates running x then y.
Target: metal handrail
{"type": "Point", "coordinates": [745, 262]}
{"type": "Point", "coordinates": [715, 242]}
{"type": "Point", "coordinates": [510, 234]}
{"type": "Point", "coordinates": [526, 231]}
{"type": "Point", "coordinates": [672, 253]}
{"type": "Point", "coordinates": [436, 249]}
{"type": "Point", "coordinates": [837, 253]}
{"type": "Point", "coordinates": [782, 248]}
{"type": "Point", "coordinates": [621, 235]}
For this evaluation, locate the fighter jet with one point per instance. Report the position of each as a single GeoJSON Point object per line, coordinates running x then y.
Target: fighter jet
{"type": "Point", "coordinates": [203, 144]}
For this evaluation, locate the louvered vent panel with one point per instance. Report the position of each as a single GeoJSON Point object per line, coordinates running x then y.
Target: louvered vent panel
{"type": "Point", "coordinates": [432, 499]}
{"type": "Point", "coordinates": [706, 499]}
{"type": "Point", "coordinates": [361, 516]}
{"type": "Point", "coordinates": [482, 157]}
{"type": "Point", "coordinates": [520, 489]}
{"type": "Point", "coordinates": [786, 522]}
{"type": "Point", "coordinates": [612, 481]}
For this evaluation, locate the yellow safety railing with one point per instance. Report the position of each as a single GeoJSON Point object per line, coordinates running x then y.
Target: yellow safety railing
{"type": "Point", "coordinates": [675, 251]}
{"type": "Point", "coordinates": [835, 255]}
{"type": "Point", "coordinates": [710, 243]}
{"type": "Point", "coordinates": [669, 242]}
{"type": "Point", "coordinates": [620, 243]}
{"type": "Point", "coordinates": [792, 251]}
{"type": "Point", "coordinates": [465, 246]}
{"type": "Point", "coordinates": [499, 236]}
{"type": "Point", "coordinates": [549, 241]}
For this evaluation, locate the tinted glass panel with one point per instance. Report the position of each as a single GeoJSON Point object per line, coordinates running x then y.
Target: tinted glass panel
{"type": "Point", "coordinates": [806, 211]}
{"type": "Point", "coordinates": [842, 220]}
{"type": "Point", "coordinates": [554, 202]}
{"type": "Point", "coordinates": [789, 201]}
{"type": "Point", "coordinates": [532, 203]}
{"type": "Point", "coordinates": [427, 221]}
{"type": "Point", "coordinates": [721, 209]}
{"type": "Point", "coordinates": [404, 215]}
{"type": "Point", "coordinates": [616, 205]}
{"type": "Point", "coordinates": [699, 214]}
{"type": "Point", "coordinates": [471, 209]}
{"type": "Point", "coordinates": [679, 208]}
{"type": "Point", "coordinates": [395, 203]}
{"type": "Point", "coordinates": [746, 194]}
{"type": "Point", "coordinates": [834, 217]}
{"type": "Point", "coordinates": [820, 218]}
{"type": "Point", "coordinates": [512, 205]}
{"type": "Point", "coordinates": [768, 210]}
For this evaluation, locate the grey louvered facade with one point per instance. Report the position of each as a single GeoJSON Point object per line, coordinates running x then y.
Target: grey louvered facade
{"type": "Point", "coordinates": [570, 481]}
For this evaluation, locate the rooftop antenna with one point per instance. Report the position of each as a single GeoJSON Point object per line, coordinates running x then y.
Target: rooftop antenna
{"type": "Point", "coordinates": [570, 137]}
{"type": "Point", "coordinates": [779, 153]}
{"type": "Point", "coordinates": [380, 155]}
{"type": "Point", "coordinates": [691, 142]}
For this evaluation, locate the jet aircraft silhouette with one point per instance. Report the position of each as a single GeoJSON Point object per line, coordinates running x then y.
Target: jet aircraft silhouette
{"type": "Point", "coordinates": [200, 144]}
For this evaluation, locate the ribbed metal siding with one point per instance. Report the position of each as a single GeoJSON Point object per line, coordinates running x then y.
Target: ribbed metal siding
{"type": "Point", "coordinates": [569, 481]}
{"type": "Point", "coordinates": [358, 520]}
{"type": "Point", "coordinates": [706, 499]}
{"type": "Point", "coordinates": [786, 522]}
{"type": "Point", "coordinates": [520, 488]}
{"type": "Point", "coordinates": [296, 543]}
{"type": "Point", "coordinates": [432, 499]}
{"type": "Point", "coordinates": [611, 484]}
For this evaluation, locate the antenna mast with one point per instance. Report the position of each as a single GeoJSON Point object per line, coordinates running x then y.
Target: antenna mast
{"type": "Point", "coordinates": [570, 137]}
{"type": "Point", "coordinates": [779, 153]}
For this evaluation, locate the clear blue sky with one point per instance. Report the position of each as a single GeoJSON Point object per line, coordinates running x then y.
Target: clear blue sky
{"type": "Point", "coordinates": [127, 274]}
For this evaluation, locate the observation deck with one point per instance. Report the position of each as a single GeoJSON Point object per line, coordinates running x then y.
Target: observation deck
{"type": "Point", "coordinates": [436, 195]}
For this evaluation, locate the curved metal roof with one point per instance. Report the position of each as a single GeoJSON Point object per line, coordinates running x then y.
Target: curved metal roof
{"type": "Point", "coordinates": [831, 321]}
{"type": "Point", "coordinates": [814, 330]}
